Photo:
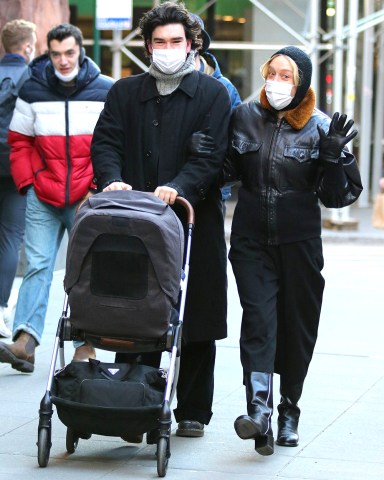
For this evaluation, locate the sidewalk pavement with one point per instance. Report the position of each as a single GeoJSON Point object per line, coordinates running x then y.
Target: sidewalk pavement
{"type": "Point", "coordinates": [342, 421]}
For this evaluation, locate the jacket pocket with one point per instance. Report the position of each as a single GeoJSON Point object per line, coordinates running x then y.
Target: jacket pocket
{"type": "Point", "coordinates": [301, 154]}
{"type": "Point", "coordinates": [245, 146]}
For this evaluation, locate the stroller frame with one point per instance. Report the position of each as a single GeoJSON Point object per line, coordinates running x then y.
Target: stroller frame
{"type": "Point", "coordinates": [65, 332]}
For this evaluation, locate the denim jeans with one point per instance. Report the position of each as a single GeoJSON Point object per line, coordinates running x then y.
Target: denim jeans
{"type": "Point", "coordinates": [45, 226]}
{"type": "Point", "coordinates": [12, 222]}
{"type": "Point", "coordinates": [226, 193]}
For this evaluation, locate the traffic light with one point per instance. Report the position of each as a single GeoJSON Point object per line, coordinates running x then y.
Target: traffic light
{"type": "Point", "coordinates": [330, 9]}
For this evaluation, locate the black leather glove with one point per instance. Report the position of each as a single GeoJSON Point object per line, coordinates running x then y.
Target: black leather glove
{"type": "Point", "coordinates": [200, 144]}
{"type": "Point", "coordinates": [332, 144]}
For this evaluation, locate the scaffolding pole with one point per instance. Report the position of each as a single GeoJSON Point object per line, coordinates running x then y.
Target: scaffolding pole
{"type": "Point", "coordinates": [338, 82]}
{"type": "Point", "coordinates": [314, 39]}
{"type": "Point", "coordinates": [365, 135]}
{"type": "Point", "coordinates": [377, 167]}
{"type": "Point", "coordinates": [350, 94]}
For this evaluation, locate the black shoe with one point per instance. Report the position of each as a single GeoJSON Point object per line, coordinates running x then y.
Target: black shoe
{"type": "Point", "coordinates": [246, 427]}
{"type": "Point", "coordinates": [138, 438]}
{"type": "Point", "coordinates": [257, 424]}
{"type": "Point", "coordinates": [288, 420]}
{"type": "Point", "coordinates": [190, 428]}
{"type": "Point", "coordinates": [264, 445]}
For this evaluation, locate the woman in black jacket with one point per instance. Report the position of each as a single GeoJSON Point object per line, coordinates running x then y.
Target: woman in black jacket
{"type": "Point", "coordinates": [288, 155]}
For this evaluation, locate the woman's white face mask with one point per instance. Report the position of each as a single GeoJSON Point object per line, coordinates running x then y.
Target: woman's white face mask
{"type": "Point", "coordinates": [168, 60]}
{"type": "Point", "coordinates": [278, 94]}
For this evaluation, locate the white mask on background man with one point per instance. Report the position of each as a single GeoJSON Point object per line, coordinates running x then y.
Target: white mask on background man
{"type": "Point", "coordinates": [69, 77]}
{"type": "Point", "coordinates": [168, 60]}
{"type": "Point", "coordinates": [31, 53]}
{"type": "Point", "coordinates": [278, 94]}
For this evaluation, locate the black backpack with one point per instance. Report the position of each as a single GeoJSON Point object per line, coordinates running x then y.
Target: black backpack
{"type": "Point", "coordinates": [11, 80]}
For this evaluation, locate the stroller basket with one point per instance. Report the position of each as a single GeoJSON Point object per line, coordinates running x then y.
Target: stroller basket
{"type": "Point", "coordinates": [88, 393]}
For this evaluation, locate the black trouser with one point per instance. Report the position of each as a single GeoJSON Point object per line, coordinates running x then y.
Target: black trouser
{"type": "Point", "coordinates": [195, 384]}
{"type": "Point", "coordinates": [280, 289]}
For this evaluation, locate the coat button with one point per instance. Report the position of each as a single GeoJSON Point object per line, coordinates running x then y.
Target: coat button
{"type": "Point", "coordinates": [149, 153]}
{"type": "Point", "coordinates": [155, 123]}
{"type": "Point", "coordinates": [158, 100]}
{"type": "Point", "coordinates": [148, 185]}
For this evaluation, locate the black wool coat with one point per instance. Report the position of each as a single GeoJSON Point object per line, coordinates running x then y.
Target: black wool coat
{"type": "Point", "coordinates": [142, 138]}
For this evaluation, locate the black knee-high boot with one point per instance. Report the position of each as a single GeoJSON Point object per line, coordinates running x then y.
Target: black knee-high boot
{"type": "Point", "coordinates": [289, 414]}
{"type": "Point", "coordinates": [257, 424]}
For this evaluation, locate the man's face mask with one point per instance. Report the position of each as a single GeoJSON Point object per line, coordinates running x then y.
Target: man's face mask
{"type": "Point", "coordinates": [168, 60]}
{"type": "Point", "coordinates": [278, 94]}
{"type": "Point", "coordinates": [31, 54]}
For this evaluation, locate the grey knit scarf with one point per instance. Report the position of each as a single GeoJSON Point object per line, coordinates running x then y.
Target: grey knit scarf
{"type": "Point", "coordinates": [166, 84]}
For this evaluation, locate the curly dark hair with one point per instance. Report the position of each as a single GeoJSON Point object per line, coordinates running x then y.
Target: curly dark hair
{"type": "Point", "coordinates": [170, 12]}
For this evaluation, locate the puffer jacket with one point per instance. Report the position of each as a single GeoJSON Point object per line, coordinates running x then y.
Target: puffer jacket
{"type": "Point", "coordinates": [213, 69]}
{"type": "Point", "coordinates": [51, 132]}
{"type": "Point", "coordinates": [283, 172]}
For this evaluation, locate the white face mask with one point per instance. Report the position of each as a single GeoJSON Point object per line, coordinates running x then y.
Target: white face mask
{"type": "Point", "coordinates": [31, 54]}
{"type": "Point", "coordinates": [278, 94]}
{"type": "Point", "coordinates": [69, 77]}
{"type": "Point", "coordinates": [169, 60]}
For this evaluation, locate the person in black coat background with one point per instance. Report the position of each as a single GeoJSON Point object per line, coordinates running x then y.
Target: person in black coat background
{"type": "Point", "coordinates": [152, 136]}
{"type": "Point", "coordinates": [288, 155]}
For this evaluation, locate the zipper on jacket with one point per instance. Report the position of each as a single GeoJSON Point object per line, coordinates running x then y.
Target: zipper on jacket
{"type": "Point", "coordinates": [271, 207]}
{"type": "Point", "coordinates": [68, 152]}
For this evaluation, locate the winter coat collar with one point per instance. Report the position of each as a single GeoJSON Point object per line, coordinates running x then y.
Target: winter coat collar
{"type": "Point", "coordinates": [43, 72]}
{"type": "Point", "coordinates": [188, 86]}
{"type": "Point", "coordinates": [297, 117]}
{"type": "Point", "coordinates": [13, 59]}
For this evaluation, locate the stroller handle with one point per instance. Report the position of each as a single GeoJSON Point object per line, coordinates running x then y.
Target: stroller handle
{"type": "Point", "coordinates": [188, 207]}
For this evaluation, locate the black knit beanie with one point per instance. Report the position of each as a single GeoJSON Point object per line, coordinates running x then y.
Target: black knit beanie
{"type": "Point", "coordinates": [304, 64]}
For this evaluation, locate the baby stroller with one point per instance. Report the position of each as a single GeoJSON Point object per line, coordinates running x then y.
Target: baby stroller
{"type": "Point", "coordinates": [125, 289]}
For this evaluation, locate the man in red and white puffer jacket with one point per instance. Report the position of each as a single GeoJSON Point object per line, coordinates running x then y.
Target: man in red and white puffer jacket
{"type": "Point", "coordinates": [50, 136]}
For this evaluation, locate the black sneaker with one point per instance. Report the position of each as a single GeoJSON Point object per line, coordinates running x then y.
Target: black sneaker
{"type": "Point", "coordinates": [190, 428]}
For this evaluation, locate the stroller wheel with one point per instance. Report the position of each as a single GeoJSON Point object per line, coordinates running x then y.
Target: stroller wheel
{"type": "Point", "coordinates": [43, 446]}
{"type": "Point", "coordinates": [163, 453]}
{"type": "Point", "coordinates": [71, 440]}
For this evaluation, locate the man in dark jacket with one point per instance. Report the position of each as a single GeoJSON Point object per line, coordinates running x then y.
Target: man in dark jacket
{"type": "Point", "coordinates": [146, 139]}
{"type": "Point", "coordinates": [50, 136]}
{"type": "Point", "coordinates": [19, 39]}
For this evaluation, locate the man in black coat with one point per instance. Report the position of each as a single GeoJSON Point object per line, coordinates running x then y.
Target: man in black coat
{"type": "Point", "coordinates": [152, 136]}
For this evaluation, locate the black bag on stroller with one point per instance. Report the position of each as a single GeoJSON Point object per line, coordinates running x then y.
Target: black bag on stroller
{"type": "Point", "coordinates": [118, 385]}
